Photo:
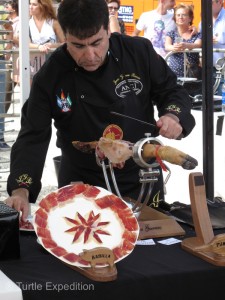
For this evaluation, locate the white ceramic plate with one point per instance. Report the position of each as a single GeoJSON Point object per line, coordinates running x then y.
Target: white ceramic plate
{"type": "Point", "coordinates": [82, 217]}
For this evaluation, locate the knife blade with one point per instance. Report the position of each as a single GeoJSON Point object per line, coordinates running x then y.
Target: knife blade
{"type": "Point", "coordinates": [142, 122]}
{"type": "Point", "coordinates": [134, 119]}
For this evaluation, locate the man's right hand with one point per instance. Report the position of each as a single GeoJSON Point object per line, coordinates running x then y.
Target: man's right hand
{"type": "Point", "coordinates": [19, 200]}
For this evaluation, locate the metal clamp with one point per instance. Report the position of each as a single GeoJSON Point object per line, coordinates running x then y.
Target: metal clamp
{"type": "Point", "coordinates": [147, 176]}
{"type": "Point", "coordinates": [137, 152]}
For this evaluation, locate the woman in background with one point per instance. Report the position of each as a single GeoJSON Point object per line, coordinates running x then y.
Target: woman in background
{"type": "Point", "coordinates": [115, 24]}
{"type": "Point", "coordinates": [182, 38]}
{"type": "Point", "coordinates": [45, 31]}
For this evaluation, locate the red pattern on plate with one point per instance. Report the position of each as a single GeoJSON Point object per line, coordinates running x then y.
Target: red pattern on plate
{"type": "Point", "coordinates": [42, 214]}
{"type": "Point", "coordinates": [130, 236]}
{"type": "Point", "coordinates": [40, 221]}
{"type": "Point", "coordinates": [72, 257]}
{"type": "Point", "coordinates": [91, 192]}
{"type": "Point", "coordinates": [104, 202]}
{"type": "Point", "coordinates": [49, 202]}
{"type": "Point", "coordinates": [43, 233]}
{"type": "Point", "coordinates": [96, 219]}
{"type": "Point", "coordinates": [70, 191]}
{"type": "Point", "coordinates": [119, 252]}
{"type": "Point", "coordinates": [49, 243]}
{"type": "Point", "coordinates": [59, 251]}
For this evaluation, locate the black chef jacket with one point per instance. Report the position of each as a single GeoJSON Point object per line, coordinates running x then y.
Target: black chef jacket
{"type": "Point", "coordinates": [133, 80]}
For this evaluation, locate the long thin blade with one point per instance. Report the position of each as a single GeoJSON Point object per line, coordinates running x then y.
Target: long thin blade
{"type": "Point", "coordinates": [131, 118]}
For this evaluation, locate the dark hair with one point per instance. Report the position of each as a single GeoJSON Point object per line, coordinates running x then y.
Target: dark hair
{"type": "Point", "coordinates": [83, 18]}
{"type": "Point", "coordinates": [14, 5]}
{"type": "Point", "coordinates": [117, 1]}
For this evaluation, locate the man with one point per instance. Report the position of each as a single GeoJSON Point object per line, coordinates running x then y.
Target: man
{"type": "Point", "coordinates": [218, 17]}
{"type": "Point", "coordinates": [156, 23]}
{"type": "Point", "coordinates": [92, 74]}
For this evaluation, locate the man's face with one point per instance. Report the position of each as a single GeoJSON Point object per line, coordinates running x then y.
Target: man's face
{"type": "Point", "coordinates": [89, 53]}
{"type": "Point", "coordinates": [170, 4]}
{"type": "Point", "coordinates": [216, 6]}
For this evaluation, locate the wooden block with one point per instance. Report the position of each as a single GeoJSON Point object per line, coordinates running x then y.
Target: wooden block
{"type": "Point", "coordinates": [205, 245]}
{"type": "Point", "coordinates": [159, 228]}
{"type": "Point", "coordinates": [154, 224]}
{"type": "Point", "coordinates": [103, 274]}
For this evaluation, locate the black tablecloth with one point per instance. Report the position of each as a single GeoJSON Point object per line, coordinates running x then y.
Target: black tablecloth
{"type": "Point", "coordinates": [149, 272]}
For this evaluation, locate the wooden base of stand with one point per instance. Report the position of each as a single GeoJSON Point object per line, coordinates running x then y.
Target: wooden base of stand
{"type": "Point", "coordinates": [205, 245]}
{"type": "Point", "coordinates": [215, 256]}
{"type": "Point", "coordinates": [154, 224]}
{"type": "Point", "coordinates": [101, 274]}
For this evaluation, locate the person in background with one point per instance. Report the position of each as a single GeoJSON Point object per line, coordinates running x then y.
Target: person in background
{"type": "Point", "coordinates": [156, 23]}
{"type": "Point", "coordinates": [44, 29]}
{"type": "Point", "coordinates": [182, 38]}
{"type": "Point", "coordinates": [12, 80]}
{"type": "Point", "coordinates": [12, 8]}
{"type": "Point", "coordinates": [94, 73]}
{"type": "Point", "coordinates": [218, 18]}
{"type": "Point", "coordinates": [7, 35]}
{"type": "Point", "coordinates": [116, 25]}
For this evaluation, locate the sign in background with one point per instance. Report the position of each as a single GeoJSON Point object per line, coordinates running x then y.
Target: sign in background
{"type": "Point", "coordinates": [126, 13]}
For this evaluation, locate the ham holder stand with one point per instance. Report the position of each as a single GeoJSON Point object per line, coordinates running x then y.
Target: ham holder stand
{"type": "Point", "coordinates": [205, 245]}
{"type": "Point", "coordinates": [152, 223]}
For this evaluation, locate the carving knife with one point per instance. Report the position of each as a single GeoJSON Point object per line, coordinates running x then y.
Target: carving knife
{"type": "Point", "coordinates": [142, 122]}
{"type": "Point", "coordinates": [134, 119]}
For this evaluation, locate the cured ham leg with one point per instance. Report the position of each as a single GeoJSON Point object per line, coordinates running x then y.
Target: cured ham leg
{"type": "Point", "coordinates": [118, 151]}
{"type": "Point", "coordinates": [170, 154]}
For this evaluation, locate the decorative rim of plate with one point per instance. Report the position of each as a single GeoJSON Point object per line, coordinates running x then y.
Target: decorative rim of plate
{"type": "Point", "coordinates": [81, 217]}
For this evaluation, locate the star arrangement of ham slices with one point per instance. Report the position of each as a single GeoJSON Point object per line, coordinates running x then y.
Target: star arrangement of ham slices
{"type": "Point", "coordinates": [81, 217]}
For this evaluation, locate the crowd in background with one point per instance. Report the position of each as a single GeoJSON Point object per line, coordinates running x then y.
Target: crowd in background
{"type": "Point", "coordinates": [168, 27]}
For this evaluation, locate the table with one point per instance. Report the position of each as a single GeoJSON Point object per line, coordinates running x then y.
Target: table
{"type": "Point", "coordinates": [149, 272]}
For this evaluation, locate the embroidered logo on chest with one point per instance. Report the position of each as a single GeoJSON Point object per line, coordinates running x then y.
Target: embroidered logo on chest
{"type": "Point", "coordinates": [126, 83]}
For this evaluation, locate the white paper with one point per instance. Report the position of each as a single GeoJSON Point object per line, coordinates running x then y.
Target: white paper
{"type": "Point", "coordinates": [145, 242]}
{"type": "Point", "coordinates": [169, 241]}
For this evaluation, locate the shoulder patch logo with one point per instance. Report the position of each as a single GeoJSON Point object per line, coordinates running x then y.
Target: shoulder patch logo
{"type": "Point", "coordinates": [173, 108]}
{"type": "Point", "coordinates": [24, 180]}
{"type": "Point", "coordinates": [63, 102]}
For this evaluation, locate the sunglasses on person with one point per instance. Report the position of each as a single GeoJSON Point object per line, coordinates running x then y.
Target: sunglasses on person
{"type": "Point", "coordinates": [181, 15]}
{"type": "Point", "coordinates": [113, 8]}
